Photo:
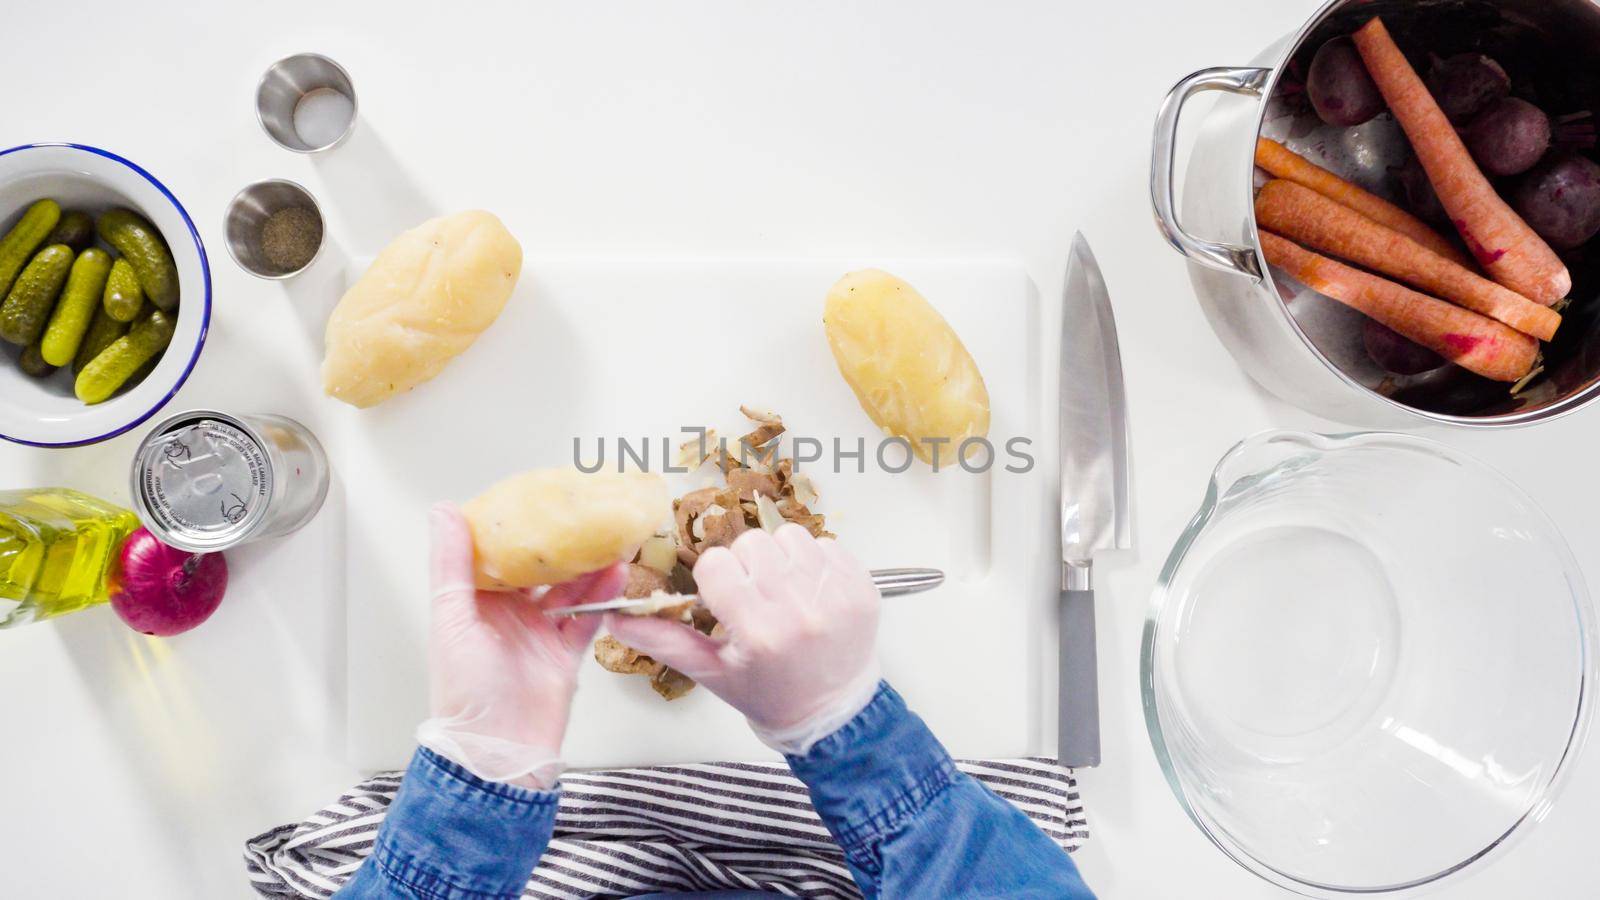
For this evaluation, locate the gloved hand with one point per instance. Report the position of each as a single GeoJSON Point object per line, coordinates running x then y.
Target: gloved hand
{"type": "Point", "coordinates": [501, 673]}
{"type": "Point", "coordinates": [799, 658]}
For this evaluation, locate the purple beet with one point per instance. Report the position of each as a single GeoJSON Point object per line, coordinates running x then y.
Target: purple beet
{"type": "Point", "coordinates": [1421, 198]}
{"type": "Point", "coordinates": [1397, 354]}
{"type": "Point", "coordinates": [1510, 137]}
{"type": "Point", "coordinates": [1464, 85]}
{"type": "Point", "coordinates": [1342, 92]}
{"type": "Point", "coordinates": [1561, 200]}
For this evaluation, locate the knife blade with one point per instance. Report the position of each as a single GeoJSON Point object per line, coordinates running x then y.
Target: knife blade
{"type": "Point", "coordinates": [1095, 513]}
{"type": "Point", "coordinates": [890, 583]}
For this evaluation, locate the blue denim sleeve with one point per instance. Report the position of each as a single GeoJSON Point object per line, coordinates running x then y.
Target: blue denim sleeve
{"type": "Point", "coordinates": [912, 825]}
{"type": "Point", "coordinates": [450, 835]}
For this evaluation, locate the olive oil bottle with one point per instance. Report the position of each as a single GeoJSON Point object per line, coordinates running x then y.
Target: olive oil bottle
{"type": "Point", "coordinates": [58, 549]}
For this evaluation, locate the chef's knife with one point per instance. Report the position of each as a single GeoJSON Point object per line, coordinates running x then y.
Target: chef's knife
{"type": "Point", "coordinates": [890, 583]}
{"type": "Point", "coordinates": [1094, 490]}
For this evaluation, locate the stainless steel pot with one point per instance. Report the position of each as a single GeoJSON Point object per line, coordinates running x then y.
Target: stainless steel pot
{"type": "Point", "coordinates": [1306, 348]}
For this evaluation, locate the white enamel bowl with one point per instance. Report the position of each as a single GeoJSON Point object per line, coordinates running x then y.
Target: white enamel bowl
{"type": "Point", "coordinates": [44, 412]}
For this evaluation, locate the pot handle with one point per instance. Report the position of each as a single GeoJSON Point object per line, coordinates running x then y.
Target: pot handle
{"type": "Point", "coordinates": [1225, 257]}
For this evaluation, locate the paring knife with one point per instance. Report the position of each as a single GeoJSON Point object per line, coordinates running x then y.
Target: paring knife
{"type": "Point", "coordinates": [890, 582]}
{"type": "Point", "coordinates": [1095, 515]}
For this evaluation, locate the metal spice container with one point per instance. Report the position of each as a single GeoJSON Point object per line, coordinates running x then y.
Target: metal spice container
{"type": "Point", "coordinates": [204, 481]}
{"type": "Point", "coordinates": [274, 229]}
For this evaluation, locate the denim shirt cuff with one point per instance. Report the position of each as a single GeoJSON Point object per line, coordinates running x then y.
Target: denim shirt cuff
{"type": "Point", "coordinates": [875, 774]}
{"type": "Point", "coordinates": [450, 835]}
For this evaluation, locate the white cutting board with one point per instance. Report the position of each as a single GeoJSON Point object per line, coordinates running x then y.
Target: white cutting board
{"type": "Point", "coordinates": [643, 348]}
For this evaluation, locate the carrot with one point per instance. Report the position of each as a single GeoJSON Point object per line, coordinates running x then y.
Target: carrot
{"type": "Point", "coordinates": [1503, 243]}
{"type": "Point", "coordinates": [1471, 341]}
{"type": "Point", "coordinates": [1284, 163]}
{"type": "Point", "coordinates": [1308, 218]}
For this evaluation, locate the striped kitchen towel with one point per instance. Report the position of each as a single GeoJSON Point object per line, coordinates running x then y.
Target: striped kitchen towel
{"type": "Point", "coordinates": [625, 832]}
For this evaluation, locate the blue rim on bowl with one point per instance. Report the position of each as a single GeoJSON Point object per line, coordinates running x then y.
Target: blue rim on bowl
{"type": "Point", "coordinates": [205, 311]}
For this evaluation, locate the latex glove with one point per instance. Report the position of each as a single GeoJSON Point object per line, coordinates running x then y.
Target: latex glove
{"type": "Point", "coordinates": [799, 657]}
{"type": "Point", "coordinates": [501, 673]}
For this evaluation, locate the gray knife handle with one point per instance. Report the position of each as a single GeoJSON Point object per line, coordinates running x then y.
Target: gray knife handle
{"type": "Point", "coordinates": [1079, 725]}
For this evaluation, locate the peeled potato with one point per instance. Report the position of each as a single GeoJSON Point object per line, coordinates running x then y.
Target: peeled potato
{"type": "Point", "coordinates": [424, 300]}
{"type": "Point", "coordinates": [908, 368]}
{"type": "Point", "coordinates": [552, 525]}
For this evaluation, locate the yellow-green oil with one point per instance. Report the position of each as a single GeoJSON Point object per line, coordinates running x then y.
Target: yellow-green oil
{"type": "Point", "coordinates": [58, 550]}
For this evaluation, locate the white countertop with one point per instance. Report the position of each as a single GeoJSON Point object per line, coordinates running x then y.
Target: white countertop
{"type": "Point", "coordinates": [730, 128]}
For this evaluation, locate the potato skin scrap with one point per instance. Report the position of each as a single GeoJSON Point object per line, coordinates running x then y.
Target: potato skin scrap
{"type": "Point", "coordinates": [671, 684]}
{"type": "Point", "coordinates": [769, 426]}
{"type": "Point", "coordinates": [643, 581]}
{"type": "Point", "coordinates": [748, 483]}
{"type": "Point", "coordinates": [423, 301]}
{"type": "Point", "coordinates": [723, 528]}
{"type": "Point", "coordinates": [615, 656]}
{"type": "Point", "coordinates": [552, 525]}
{"type": "Point", "coordinates": [685, 510]}
{"type": "Point", "coordinates": [907, 366]}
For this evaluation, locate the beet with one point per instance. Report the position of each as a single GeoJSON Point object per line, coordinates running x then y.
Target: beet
{"type": "Point", "coordinates": [1510, 137]}
{"type": "Point", "coordinates": [1342, 92]}
{"type": "Point", "coordinates": [1466, 84]}
{"type": "Point", "coordinates": [1397, 354]}
{"type": "Point", "coordinates": [1421, 198]}
{"type": "Point", "coordinates": [1561, 200]}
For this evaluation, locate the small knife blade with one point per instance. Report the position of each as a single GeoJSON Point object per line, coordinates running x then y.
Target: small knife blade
{"type": "Point", "coordinates": [890, 582]}
{"type": "Point", "coordinates": [1095, 513]}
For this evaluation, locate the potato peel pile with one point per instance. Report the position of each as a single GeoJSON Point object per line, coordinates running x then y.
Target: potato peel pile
{"type": "Point", "coordinates": [759, 490]}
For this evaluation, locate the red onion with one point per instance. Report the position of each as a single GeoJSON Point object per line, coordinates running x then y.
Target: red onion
{"type": "Point", "coordinates": [166, 591]}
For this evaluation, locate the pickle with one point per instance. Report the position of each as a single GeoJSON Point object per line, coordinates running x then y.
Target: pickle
{"type": "Point", "coordinates": [79, 300]}
{"type": "Point", "coordinates": [124, 298]}
{"type": "Point", "coordinates": [32, 363]}
{"type": "Point", "coordinates": [24, 238]}
{"type": "Point", "coordinates": [33, 295]}
{"type": "Point", "coordinates": [141, 245]}
{"type": "Point", "coordinates": [103, 332]}
{"type": "Point", "coordinates": [116, 365]}
{"type": "Point", "coordinates": [75, 229]}
{"type": "Point", "coordinates": [145, 370]}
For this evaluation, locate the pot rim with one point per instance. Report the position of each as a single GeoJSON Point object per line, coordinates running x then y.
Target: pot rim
{"type": "Point", "coordinates": [1576, 400]}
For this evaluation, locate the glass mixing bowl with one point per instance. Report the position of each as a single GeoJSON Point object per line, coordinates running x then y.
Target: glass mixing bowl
{"type": "Point", "coordinates": [1367, 665]}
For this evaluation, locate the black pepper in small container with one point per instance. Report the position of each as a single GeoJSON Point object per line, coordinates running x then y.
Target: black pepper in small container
{"type": "Point", "coordinates": [291, 237]}
{"type": "Point", "coordinates": [274, 229]}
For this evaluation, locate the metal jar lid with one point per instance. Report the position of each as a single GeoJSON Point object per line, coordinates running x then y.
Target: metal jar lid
{"type": "Point", "coordinates": [202, 481]}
